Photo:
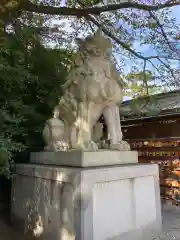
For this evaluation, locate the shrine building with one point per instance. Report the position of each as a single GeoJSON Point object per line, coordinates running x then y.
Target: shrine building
{"type": "Point", "coordinates": [152, 127]}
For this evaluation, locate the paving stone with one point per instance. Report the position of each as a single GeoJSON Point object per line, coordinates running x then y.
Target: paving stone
{"type": "Point", "coordinates": [171, 223]}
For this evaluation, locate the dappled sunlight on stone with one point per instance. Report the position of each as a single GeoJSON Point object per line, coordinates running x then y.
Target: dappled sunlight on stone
{"type": "Point", "coordinates": [70, 202]}
{"type": "Point", "coordinates": [38, 229]}
{"type": "Point", "coordinates": [60, 177]}
{"type": "Point", "coordinates": [65, 234]}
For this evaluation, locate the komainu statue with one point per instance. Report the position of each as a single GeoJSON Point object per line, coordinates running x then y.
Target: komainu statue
{"type": "Point", "coordinates": [93, 88]}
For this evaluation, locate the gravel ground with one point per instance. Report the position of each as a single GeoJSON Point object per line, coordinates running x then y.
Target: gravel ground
{"type": "Point", "coordinates": [171, 226]}
{"type": "Point", "coordinates": [171, 223]}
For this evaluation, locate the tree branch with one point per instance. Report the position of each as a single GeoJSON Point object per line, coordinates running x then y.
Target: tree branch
{"type": "Point", "coordinates": [124, 45]}
{"type": "Point", "coordinates": [168, 67]}
{"type": "Point", "coordinates": [145, 78]}
{"type": "Point", "coordinates": [162, 30]}
{"type": "Point", "coordinates": [157, 69]}
{"type": "Point", "coordinates": [26, 5]}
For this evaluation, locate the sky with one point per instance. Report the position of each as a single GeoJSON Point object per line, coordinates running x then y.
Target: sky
{"type": "Point", "coordinates": [175, 12]}
{"type": "Point", "coordinates": [145, 49]}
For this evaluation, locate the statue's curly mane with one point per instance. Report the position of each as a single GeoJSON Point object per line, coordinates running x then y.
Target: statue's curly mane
{"type": "Point", "coordinates": [89, 48]}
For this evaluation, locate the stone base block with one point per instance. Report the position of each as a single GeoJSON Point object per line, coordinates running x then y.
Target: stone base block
{"type": "Point", "coordinates": [101, 203]}
{"type": "Point", "coordinates": [84, 159]}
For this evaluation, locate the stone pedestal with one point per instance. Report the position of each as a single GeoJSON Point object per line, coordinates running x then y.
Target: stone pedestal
{"type": "Point", "coordinates": [115, 202]}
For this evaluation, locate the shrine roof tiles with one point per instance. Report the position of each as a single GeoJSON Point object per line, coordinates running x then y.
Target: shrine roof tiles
{"type": "Point", "coordinates": [153, 105]}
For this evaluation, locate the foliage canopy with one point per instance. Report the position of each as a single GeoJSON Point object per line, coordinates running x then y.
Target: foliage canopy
{"type": "Point", "coordinates": [31, 79]}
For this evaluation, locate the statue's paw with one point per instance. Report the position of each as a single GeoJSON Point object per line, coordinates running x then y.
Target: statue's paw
{"type": "Point", "coordinates": [60, 146]}
{"type": "Point", "coordinates": [87, 146]}
{"type": "Point", "coordinates": [91, 146]}
{"type": "Point", "coordinates": [121, 146]}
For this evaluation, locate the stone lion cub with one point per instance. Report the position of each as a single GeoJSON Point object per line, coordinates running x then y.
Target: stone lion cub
{"type": "Point", "coordinates": [93, 88]}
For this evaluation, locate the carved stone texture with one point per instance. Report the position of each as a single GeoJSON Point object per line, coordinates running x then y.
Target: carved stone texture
{"type": "Point", "coordinates": [93, 88]}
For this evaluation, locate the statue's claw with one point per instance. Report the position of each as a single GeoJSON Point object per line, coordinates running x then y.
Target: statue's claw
{"type": "Point", "coordinates": [57, 146]}
{"type": "Point", "coordinates": [121, 146]}
{"type": "Point", "coordinates": [88, 146]}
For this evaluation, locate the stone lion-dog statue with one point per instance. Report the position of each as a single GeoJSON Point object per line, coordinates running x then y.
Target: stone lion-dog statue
{"type": "Point", "coordinates": [93, 88]}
